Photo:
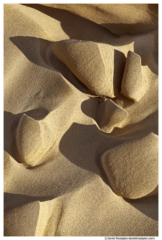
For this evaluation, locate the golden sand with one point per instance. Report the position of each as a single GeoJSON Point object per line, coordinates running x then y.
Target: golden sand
{"type": "Point", "coordinates": [81, 119]}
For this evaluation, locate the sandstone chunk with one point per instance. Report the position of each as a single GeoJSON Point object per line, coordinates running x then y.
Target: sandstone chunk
{"type": "Point", "coordinates": [133, 83]}
{"type": "Point", "coordinates": [132, 168]}
{"type": "Point", "coordinates": [96, 65]}
{"type": "Point", "coordinates": [33, 140]}
{"type": "Point", "coordinates": [110, 115]}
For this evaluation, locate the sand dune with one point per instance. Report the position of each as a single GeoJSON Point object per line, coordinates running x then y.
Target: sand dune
{"type": "Point", "coordinates": [81, 120]}
{"type": "Point", "coordinates": [118, 18]}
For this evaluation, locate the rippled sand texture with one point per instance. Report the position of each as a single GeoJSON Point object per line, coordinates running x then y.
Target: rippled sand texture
{"type": "Point", "coordinates": [81, 120]}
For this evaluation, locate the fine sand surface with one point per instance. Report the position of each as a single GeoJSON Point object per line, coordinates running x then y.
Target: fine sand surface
{"type": "Point", "coordinates": [81, 120]}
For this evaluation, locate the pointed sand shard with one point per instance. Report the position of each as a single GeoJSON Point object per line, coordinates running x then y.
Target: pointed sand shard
{"type": "Point", "coordinates": [110, 115]}
{"type": "Point", "coordinates": [93, 64]}
{"type": "Point", "coordinates": [33, 139]}
{"type": "Point", "coordinates": [133, 83]}
{"type": "Point", "coordinates": [132, 168]}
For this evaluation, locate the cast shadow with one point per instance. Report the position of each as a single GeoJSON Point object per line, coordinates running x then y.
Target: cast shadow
{"type": "Point", "coordinates": [12, 200]}
{"type": "Point", "coordinates": [71, 22]}
{"type": "Point", "coordinates": [13, 225]}
{"type": "Point", "coordinates": [39, 52]}
{"type": "Point", "coordinates": [129, 29]}
{"type": "Point", "coordinates": [146, 207]}
{"type": "Point", "coordinates": [80, 144]}
{"type": "Point", "coordinates": [36, 50]}
{"type": "Point", "coordinates": [119, 66]}
{"type": "Point", "coordinates": [73, 147]}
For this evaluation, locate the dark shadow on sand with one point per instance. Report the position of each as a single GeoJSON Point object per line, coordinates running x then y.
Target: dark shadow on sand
{"type": "Point", "coordinates": [144, 205]}
{"type": "Point", "coordinates": [71, 22]}
{"type": "Point", "coordinates": [16, 227]}
{"type": "Point", "coordinates": [12, 200]}
{"type": "Point", "coordinates": [39, 52]}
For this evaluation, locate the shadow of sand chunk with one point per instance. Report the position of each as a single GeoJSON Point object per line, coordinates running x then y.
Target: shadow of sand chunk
{"type": "Point", "coordinates": [132, 168]}
{"type": "Point", "coordinates": [22, 220]}
{"type": "Point", "coordinates": [33, 139]}
{"type": "Point", "coordinates": [110, 115]}
{"type": "Point", "coordinates": [133, 83]}
{"type": "Point", "coordinates": [94, 64]}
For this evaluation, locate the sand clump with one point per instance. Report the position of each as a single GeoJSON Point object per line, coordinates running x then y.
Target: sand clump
{"type": "Point", "coordinates": [93, 64]}
{"type": "Point", "coordinates": [33, 140]}
{"type": "Point", "coordinates": [134, 85]}
{"type": "Point", "coordinates": [132, 167]}
{"type": "Point", "coordinates": [110, 115]}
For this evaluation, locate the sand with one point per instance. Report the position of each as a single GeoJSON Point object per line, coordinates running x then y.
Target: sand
{"type": "Point", "coordinates": [80, 120]}
{"type": "Point", "coordinates": [90, 62]}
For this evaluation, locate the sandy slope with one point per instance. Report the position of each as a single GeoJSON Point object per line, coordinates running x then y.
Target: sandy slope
{"type": "Point", "coordinates": [80, 120]}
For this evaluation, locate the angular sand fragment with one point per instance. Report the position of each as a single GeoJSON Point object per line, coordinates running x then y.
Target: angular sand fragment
{"type": "Point", "coordinates": [33, 140]}
{"type": "Point", "coordinates": [133, 83]}
{"type": "Point", "coordinates": [132, 168]}
{"type": "Point", "coordinates": [110, 115]}
{"type": "Point", "coordinates": [96, 65]}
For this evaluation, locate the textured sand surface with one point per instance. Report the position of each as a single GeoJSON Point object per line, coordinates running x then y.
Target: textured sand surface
{"type": "Point", "coordinates": [81, 120]}
{"type": "Point", "coordinates": [133, 84]}
{"type": "Point", "coordinates": [132, 167]}
{"type": "Point", "coordinates": [90, 62]}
